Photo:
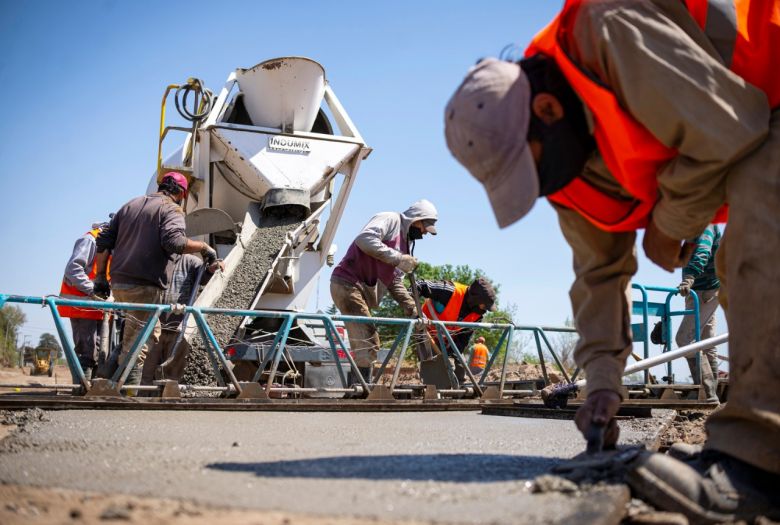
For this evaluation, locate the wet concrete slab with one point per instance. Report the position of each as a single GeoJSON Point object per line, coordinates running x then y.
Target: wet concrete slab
{"type": "Point", "coordinates": [438, 467]}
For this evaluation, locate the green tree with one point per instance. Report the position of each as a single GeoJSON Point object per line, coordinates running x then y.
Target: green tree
{"type": "Point", "coordinates": [48, 340]}
{"type": "Point", "coordinates": [462, 274]}
{"type": "Point", "coordinates": [11, 319]}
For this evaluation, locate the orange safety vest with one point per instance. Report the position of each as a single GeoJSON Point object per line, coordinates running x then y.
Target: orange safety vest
{"type": "Point", "coordinates": [451, 311]}
{"type": "Point", "coordinates": [479, 356]}
{"type": "Point", "coordinates": [633, 155]}
{"type": "Point", "coordinates": [68, 291]}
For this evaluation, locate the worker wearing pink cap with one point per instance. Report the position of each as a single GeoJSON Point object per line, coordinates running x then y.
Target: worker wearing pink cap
{"type": "Point", "coordinates": [145, 238]}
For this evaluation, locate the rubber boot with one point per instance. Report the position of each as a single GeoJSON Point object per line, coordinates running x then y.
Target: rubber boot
{"type": "Point", "coordinates": [80, 390]}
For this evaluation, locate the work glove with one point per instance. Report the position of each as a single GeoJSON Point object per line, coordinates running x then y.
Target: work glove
{"type": "Point", "coordinates": [101, 288]}
{"type": "Point", "coordinates": [600, 409]}
{"type": "Point", "coordinates": [422, 323]}
{"type": "Point", "coordinates": [209, 254]}
{"type": "Point", "coordinates": [407, 264]}
{"type": "Point", "coordinates": [219, 264]}
{"type": "Point", "coordinates": [684, 288]}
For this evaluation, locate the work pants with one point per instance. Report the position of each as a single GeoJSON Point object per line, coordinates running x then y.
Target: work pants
{"type": "Point", "coordinates": [86, 340]}
{"type": "Point", "coordinates": [135, 320]}
{"type": "Point", "coordinates": [686, 334]}
{"type": "Point", "coordinates": [604, 264]}
{"type": "Point", "coordinates": [363, 337]}
{"type": "Point", "coordinates": [160, 352]}
{"type": "Point", "coordinates": [748, 427]}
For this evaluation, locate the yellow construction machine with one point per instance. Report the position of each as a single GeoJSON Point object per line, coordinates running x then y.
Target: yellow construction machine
{"type": "Point", "coordinates": [43, 362]}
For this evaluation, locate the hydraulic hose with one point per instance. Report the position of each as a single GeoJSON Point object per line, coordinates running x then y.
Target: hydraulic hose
{"type": "Point", "coordinates": [201, 108]}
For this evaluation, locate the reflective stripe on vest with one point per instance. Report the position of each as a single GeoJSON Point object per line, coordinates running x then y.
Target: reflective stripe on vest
{"type": "Point", "coordinates": [632, 154]}
{"type": "Point", "coordinates": [479, 356]}
{"type": "Point", "coordinates": [451, 310]}
{"type": "Point", "coordinates": [68, 291]}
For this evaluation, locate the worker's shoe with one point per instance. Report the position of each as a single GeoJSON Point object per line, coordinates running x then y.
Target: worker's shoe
{"type": "Point", "coordinates": [133, 378]}
{"type": "Point", "coordinates": [712, 488]}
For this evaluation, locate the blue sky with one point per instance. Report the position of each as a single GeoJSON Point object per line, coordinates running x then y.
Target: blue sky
{"type": "Point", "coordinates": [82, 82]}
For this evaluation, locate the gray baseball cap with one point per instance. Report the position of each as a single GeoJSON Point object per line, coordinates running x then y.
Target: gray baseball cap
{"type": "Point", "coordinates": [486, 124]}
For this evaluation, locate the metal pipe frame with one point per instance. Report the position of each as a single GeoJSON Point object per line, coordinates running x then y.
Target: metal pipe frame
{"type": "Point", "coordinates": [667, 320]}
{"type": "Point", "coordinates": [335, 341]}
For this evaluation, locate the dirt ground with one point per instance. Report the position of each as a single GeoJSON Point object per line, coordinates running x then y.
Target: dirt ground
{"type": "Point", "coordinates": [22, 375]}
{"type": "Point", "coordinates": [36, 506]}
{"type": "Point", "coordinates": [514, 372]}
{"type": "Point", "coordinates": [688, 427]}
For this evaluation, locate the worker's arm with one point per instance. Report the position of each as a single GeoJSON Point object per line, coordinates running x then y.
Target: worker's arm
{"type": "Point", "coordinates": [701, 254]}
{"type": "Point", "coordinates": [105, 242]}
{"type": "Point", "coordinates": [371, 239]}
{"type": "Point", "coordinates": [667, 74]}
{"type": "Point", "coordinates": [174, 239]}
{"type": "Point", "coordinates": [76, 268]}
{"type": "Point", "coordinates": [402, 296]}
{"type": "Point", "coordinates": [440, 292]}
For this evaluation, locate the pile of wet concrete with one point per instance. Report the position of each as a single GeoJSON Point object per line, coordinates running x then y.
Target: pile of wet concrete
{"type": "Point", "coordinates": [239, 293]}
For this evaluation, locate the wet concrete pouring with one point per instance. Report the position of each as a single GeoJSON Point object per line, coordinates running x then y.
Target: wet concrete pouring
{"type": "Point", "coordinates": [239, 293]}
{"type": "Point", "coordinates": [442, 467]}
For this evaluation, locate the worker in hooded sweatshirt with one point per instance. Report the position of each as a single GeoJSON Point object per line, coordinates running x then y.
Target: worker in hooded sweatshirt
{"type": "Point", "coordinates": [144, 238]}
{"type": "Point", "coordinates": [454, 301]}
{"type": "Point", "coordinates": [630, 114]}
{"type": "Point", "coordinates": [77, 284]}
{"type": "Point", "coordinates": [376, 262]}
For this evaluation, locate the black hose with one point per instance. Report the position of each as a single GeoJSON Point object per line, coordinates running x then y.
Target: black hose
{"type": "Point", "coordinates": [196, 86]}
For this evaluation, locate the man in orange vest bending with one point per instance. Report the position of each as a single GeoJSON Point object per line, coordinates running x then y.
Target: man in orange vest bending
{"type": "Point", "coordinates": [650, 114]}
{"type": "Point", "coordinates": [77, 283]}
{"type": "Point", "coordinates": [453, 301]}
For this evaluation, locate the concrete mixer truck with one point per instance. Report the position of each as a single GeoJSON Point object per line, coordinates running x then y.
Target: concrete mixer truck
{"type": "Point", "coordinates": [270, 161]}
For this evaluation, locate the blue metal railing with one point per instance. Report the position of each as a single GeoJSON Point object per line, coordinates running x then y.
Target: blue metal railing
{"type": "Point", "coordinates": [273, 357]}
{"type": "Point", "coordinates": [646, 309]}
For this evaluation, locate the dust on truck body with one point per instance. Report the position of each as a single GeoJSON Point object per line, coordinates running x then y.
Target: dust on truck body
{"type": "Point", "coordinates": [274, 147]}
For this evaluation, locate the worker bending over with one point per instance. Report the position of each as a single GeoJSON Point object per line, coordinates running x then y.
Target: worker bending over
{"type": "Point", "coordinates": [630, 114]}
{"type": "Point", "coordinates": [375, 262]}
{"type": "Point", "coordinates": [453, 301]}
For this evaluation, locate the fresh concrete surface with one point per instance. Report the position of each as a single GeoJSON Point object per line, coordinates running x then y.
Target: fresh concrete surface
{"type": "Point", "coordinates": [458, 467]}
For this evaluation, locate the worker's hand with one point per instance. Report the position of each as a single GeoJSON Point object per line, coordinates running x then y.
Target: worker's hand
{"type": "Point", "coordinates": [600, 409]}
{"type": "Point", "coordinates": [101, 288]}
{"type": "Point", "coordinates": [209, 254]}
{"type": "Point", "coordinates": [219, 264]}
{"type": "Point", "coordinates": [684, 288]}
{"type": "Point", "coordinates": [407, 264]}
{"type": "Point", "coordinates": [664, 251]}
{"type": "Point", "coordinates": [422, 323]}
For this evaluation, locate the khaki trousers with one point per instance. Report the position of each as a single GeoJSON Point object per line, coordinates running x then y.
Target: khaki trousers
{"type": "Point", "coordinates": [686, 334]}
{"type": "Point", "coordinates": [160, 352]}
{"type": "Point", "coordinates": [748, 427]}
{"type": "Point", "coordinates": [136, 319]}
{"type": "Point", "coordinates": [604, 264]}
{"type": "Point", "coordinates": [363, 337]}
